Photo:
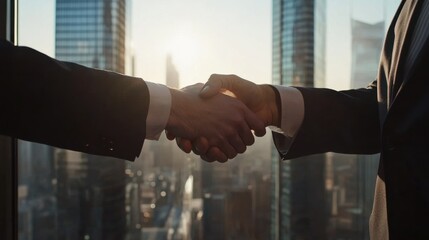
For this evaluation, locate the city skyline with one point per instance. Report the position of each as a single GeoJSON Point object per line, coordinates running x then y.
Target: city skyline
{"type": "Point", "coordinates": [196, 42]}
{"type": "Point", "coordinates": [221, 39]}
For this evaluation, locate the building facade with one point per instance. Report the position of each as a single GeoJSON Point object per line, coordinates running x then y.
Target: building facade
{"type": "Point", "coordinates": [91, 33]}
{"type": "Point", "coordinates": [298, 206]}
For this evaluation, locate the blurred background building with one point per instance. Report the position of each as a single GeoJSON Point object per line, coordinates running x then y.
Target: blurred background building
{"type": "Point", "coordinates": [299, 198]}
{"type": "Point", "coordinates": [351, 178]}
{"type": "Point", "coordinates": [36, 192]}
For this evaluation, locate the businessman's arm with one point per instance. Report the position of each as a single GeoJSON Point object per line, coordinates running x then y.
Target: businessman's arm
{"type": "Point", "coordinates": [71, 106]}
{"type": "Point", "coordinates": [104, 113]}
{"type": "Point", "coordinates": [313, 120]}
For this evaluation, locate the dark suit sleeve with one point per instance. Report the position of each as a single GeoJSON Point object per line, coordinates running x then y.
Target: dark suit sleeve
{"type": "Point", "coordinates": [70, 106]}
{"type": "Point", "coordinates": [335, 121]}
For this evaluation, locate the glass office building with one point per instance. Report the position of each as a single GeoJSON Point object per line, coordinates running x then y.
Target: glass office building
{"type": "Point", "coordinates": [298, 59]}
{"type": "Point", "coordinates": [91, 33]}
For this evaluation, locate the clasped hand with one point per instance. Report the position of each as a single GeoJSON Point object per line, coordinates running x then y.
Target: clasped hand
{"type": "Point", "coordinates": [216, 120]}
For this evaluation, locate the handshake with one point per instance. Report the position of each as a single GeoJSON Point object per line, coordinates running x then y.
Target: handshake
{"type": "Point", "coordinates": [216, 120]}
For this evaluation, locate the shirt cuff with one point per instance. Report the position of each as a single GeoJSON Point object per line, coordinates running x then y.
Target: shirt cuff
{"type": "Point", "coordinates": [291, 109]}
{"type": "Point", "coordinates": [159, 110]}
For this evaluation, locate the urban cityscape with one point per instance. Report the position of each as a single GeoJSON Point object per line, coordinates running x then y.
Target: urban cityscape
{"type": "Point", "coordinates": [168, 194]}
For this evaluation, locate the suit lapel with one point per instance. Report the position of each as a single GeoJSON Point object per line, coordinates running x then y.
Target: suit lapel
{"type": "Point", "coordinates": [424, 49]}
{"type": "Point", "coordinates": [421, 51]}
{"type": "Point", "coordinates": [403, 32]}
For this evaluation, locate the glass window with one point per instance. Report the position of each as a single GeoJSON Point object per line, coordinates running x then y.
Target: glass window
{"type": "Point", "coordinates": [166, 194]}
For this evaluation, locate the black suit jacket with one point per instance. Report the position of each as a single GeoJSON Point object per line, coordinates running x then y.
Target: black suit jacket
{"type": "Point", "coordinates": [70, 106]}
{"type": "Point", "coordinates": [391, 116]}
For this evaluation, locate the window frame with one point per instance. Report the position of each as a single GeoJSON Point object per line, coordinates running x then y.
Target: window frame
{"type": "Point", "coordinates": [8, 145]}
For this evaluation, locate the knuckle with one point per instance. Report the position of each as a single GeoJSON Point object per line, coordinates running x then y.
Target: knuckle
{"type": "Point", "coordinates": [230, 132]}
{"type": "Point", "coordinates": [213, 76]}
{"type": "Point", "coordinates": [237, 119]}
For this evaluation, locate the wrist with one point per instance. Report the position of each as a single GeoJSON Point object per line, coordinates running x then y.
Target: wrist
{"type": "Point", "coordinates": [176, 99]}
{"type": "Point", "coordinates": [270, 102]}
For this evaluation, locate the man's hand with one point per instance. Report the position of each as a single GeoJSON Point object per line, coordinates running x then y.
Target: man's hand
{"type": "Point", "coordinates": [258, 98]}
{"type": "Point", "coordinates": [220, 121]}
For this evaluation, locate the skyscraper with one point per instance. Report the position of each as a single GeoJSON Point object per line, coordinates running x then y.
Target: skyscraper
{"type": "Point", "coordinates": [91, 189]}
{"type": "Point", "coordinates": [298, 207]}
{"type": "Point", "coordinates": [367, 41]}
{"type": "Point", "coordinates": [352, 177]}
{"type": "Point", "coordinates": [91, 33]}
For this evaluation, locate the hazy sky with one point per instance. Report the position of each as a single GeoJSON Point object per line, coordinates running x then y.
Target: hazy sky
{"type": "Point", "coordinates": [211, 36]}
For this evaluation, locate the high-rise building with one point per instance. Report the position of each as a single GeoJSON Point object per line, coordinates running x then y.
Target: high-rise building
{"type": "Point", "coordinates": [91, 189]}
{"type": "Point", "coordinates": [298, 206]}
{"type": "Point", "coordinates": [91, 33]}
{"type": "Point", "coordinates": [245, 180]}
{"type": "Point", "coordinates": [350, 179]}
{"type": "Point", "coordinates": [367, 41]}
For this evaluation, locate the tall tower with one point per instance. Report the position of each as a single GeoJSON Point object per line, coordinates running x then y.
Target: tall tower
{"type": "Point", "coordinates": [91, 189]}
{"type": "Point", "coordinates": [351, 178]}
{"type": "Point", "coordinates": [367, 41]}
{"type": "Point", "coordinates": [91, 33]}
{"type": "Point", "coordinates": [298, 207]}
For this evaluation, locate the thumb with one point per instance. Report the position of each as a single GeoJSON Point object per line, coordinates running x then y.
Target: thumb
{"type": "Point", "coordinates": [214, 85]}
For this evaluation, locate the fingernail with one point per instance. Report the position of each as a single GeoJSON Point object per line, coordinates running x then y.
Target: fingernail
{"type": "Point", "coordinates": [205, 89]}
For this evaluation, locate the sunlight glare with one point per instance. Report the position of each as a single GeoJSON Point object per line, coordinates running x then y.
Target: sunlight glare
{"type": "Point", "coordinates": [183, 49]}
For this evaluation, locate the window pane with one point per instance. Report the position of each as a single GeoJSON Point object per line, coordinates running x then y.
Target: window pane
{"type": "Point", "coordinates": [166, 194]}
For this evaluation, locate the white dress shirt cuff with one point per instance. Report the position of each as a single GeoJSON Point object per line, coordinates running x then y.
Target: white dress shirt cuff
{"type": "Point", "coordinates": [159, 110]}
{"type": "Point", "coordinates": [292, 110]}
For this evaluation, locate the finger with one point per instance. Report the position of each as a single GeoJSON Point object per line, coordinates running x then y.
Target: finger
{"type": "Point", "coordinates": [255, 123]}
{"type": "Point", "coordinates": [215, 84]}
{"type": "Point", "coordinates": [227, 149]}
{"type": "Point", "coordinates": [215, 154]}
{"type": "Point", "coordinates": [195, 88]}
{"type": "Point", "coordinates": [246, 135]}
{"type": "Point", "coordinates": [206, 158]}
{"type": "Point", "coordinates": [222, 143]}
{"type": "Point", "coordinates": [200, 146]}
{"type": "Point", "coordinates": [184, 144]}
{"type": "Point", "coordinates": [169, 135]}
{"type": "Point", "coordinates": [237, 143]}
